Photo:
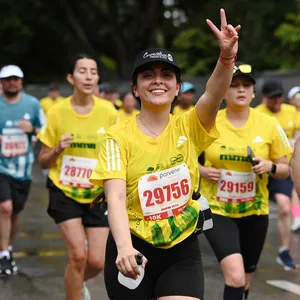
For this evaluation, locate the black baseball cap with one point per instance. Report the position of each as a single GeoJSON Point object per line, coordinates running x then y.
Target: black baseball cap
{"type": "Point", "coordinates": [272, 88]}
{"type": "Point", "coordinates": [155, 55]}
{"type": "Point", "coordinates": [239, 71]}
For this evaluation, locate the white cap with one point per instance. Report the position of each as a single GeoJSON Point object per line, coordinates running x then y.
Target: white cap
{"type": "Point", "coordinates": [293, 91]}
{"type": "Point", "coordinates": [11, 70]}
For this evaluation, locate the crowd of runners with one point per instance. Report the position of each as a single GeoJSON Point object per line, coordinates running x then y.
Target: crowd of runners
{"type": "Point", "coordinates": [130, 175]}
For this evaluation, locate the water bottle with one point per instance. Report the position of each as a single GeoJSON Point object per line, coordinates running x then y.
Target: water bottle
{"type": "Point", "coordinates": [133, 283]}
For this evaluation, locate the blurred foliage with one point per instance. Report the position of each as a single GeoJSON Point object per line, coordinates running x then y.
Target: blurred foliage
{"type": "Point", "coordinates": [42, 36]}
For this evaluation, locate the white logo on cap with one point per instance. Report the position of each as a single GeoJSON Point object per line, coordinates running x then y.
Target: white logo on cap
{"type": "Point", "coordinates": [158, 55]}
{"type": "Point", "coordinates": [170, 57]}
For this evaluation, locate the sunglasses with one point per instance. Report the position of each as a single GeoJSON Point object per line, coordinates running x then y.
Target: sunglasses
{"type": "Point", "coordinates": [243, 69]}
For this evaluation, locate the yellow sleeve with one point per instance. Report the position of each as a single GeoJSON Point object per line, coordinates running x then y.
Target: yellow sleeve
{"type": "Point", "coordinates": [196, 132]}
{"type": "Point", "coordinates": [280, 144]}
{"type": "Point", "coordinates": [48, 134]}
{"type": "Point", "coordinates": [111, 162]}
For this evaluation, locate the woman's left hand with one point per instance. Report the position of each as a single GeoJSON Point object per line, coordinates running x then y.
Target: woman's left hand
{"type": "Point", "coordinates": [263, 166]}
{"type": "Point", "coordinates": [227, 36]}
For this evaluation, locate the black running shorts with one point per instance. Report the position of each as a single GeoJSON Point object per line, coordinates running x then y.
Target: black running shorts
{"type": "Point", "coordinates": [239, 235]}
{"type": "Point", "coordinates": [62, 208]}
{"type": "Point", "coordinates": [169, 272]}
{"type": "Point", "coordinates": [280, 186]}
{"type": "Point", "coordinates": [15, 190]}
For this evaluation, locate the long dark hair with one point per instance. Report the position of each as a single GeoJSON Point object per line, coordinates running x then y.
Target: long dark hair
{"type": "Point", "coordinates": [99, 200]}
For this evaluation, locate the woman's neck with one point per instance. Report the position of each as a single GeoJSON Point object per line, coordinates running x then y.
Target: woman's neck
{"type": "Point", "coordinates": [238, 117]}
{"type": "Point", "coordinates": [153, 123]}
{"type": "Point", "coordinates": [82, 103]}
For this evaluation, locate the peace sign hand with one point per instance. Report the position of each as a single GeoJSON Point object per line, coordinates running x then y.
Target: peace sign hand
{"type": "Point", "coordinates": [227, 36]}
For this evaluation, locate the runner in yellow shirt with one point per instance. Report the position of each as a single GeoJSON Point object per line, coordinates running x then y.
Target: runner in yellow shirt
{"type": "Point", "coordinates": [236, 190]}
{"type": "Point", "coordinates": [128, 109]}
{"type": "Point", "coordinates": [148, 167]}
{"type": "Point", "coordinates": [281, 190]}
{"type": "Point", "coordinates": [70, 145]}
{"type": "Point", "coordinates": [185, 99]}
{"type": "Point", "coordinates": [53, 98]}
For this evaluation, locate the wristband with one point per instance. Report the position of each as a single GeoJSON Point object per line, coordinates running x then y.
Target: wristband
{"type": "Point", "coordinates": [225, 61]}
{"type": "Point", "coordinates": [274, 169]}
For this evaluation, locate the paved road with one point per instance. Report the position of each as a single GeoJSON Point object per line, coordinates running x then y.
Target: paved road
{"type": "Point", "coordinates": [41, 257]}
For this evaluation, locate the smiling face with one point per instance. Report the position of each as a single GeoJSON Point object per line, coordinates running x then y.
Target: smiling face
{"type": "Point", "coordinates": [240, 93]}
{"type": "Point", "coordinates": [156, 86]}
{"type": "Point", "coordinates": [85, 76]}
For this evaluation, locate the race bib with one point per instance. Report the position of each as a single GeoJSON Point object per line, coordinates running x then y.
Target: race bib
{"type": "Point", "coordinates": [76, 171]}
{"type": "Point", "coordinates": [164, 194]}
{"type": "Point", "coordinates": [236, 187]}
{"type": "Point", "coordinates": [14, 142]}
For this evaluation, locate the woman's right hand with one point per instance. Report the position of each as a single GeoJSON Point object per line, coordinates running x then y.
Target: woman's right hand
{"type": "Point", "coordinates": [211, 174]}
{"type": "Point", "coordinates": [126, 262]}
{"type": "Point", "coordinates": [65, 141]}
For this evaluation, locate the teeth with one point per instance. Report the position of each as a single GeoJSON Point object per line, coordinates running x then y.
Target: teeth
{"type": "Point", "coordinates": [158, 91]}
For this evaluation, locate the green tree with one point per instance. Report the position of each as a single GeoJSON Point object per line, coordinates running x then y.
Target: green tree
{"type": "Point", "coordinates": [289, 35]}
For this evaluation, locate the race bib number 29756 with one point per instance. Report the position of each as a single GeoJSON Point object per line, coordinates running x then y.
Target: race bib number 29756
{"type": "Point", "coordinates": [164, 194]}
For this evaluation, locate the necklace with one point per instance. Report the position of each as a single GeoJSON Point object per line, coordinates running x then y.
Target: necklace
{"type": "Point", "coordinates": [147, 127]}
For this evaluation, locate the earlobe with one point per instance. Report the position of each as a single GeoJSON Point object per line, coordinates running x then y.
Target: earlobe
{"type": "Point", "coordinates": [134, 91]}
{"type": "Point", "coordinates": [70, 79]}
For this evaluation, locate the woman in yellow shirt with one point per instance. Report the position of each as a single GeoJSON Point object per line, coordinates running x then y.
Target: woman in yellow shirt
{"type": "Point", "coordinates": [70, 144]}
{"type": "Point", "coordinates": [148, 167]}
{"type": "Point", "coordinates": [236, 190]}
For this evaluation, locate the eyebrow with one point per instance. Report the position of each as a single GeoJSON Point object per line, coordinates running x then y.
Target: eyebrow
{"type": "Point", "coordinates": [85, 68]}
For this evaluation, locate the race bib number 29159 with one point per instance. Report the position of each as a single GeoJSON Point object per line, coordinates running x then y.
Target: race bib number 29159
{"type": "Point", "coordinates": [236, 187]}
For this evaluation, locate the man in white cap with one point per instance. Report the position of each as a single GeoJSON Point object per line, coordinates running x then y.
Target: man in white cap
{"type": "Point", "coordinates": [20, 119]}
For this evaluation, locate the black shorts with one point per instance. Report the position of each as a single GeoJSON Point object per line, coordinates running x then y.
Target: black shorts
{"type": "Point", "coordinates": [15, 190]}
{"type": "Point", "coordinates": [169, 272]}
{"type": "Point", "coordinates": [62, 208]}
{"type": "Point", "coordinates": [280, 186]}
{"type": "Point", "coordinates": [239, 235]}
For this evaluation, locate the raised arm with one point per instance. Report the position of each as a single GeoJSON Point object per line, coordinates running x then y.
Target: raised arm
{"type": "Point", "coordinates": [208, 104]}
{"type": "Point", "coordinates": [295, 166]}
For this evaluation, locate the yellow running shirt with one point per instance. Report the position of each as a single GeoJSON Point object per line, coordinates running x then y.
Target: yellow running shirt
{"type": "Point", "coordinates": [47, 102]}
{"type": "Point", "coordinates": [160, 175]}
{"type": "Point", "coordinates": [178, 111]}
{"type": "Point", "coordinates": [240, 192]}
{"type": "Point", "coordinates": [123, 116]}
{"type": "Point", "coordinates": [74, 166]}
{"type": "Point", "coordinates": [286, 117]}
